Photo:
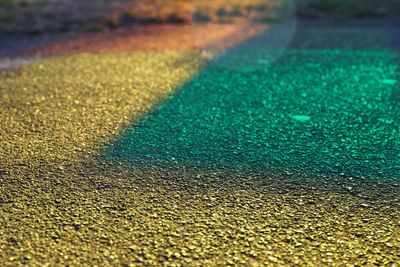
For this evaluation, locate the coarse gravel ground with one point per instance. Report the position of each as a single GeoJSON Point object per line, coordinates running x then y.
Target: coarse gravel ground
{"type": "Point", "coordinates": [79, 187]}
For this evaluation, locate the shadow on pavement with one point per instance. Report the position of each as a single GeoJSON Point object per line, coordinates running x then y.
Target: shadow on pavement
{"type": "Point", "coordinates": [321, 106]}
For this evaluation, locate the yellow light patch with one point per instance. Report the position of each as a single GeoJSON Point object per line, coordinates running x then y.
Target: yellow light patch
{"type": "Point", "coordinates": [61, 109]}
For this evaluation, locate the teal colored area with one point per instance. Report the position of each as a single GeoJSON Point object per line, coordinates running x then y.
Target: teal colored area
{"type": "Point", "coordinates": [318, 111]}
{"type": "Point", "coordinates": [302, 118]}
{"type": "Point", "coordinates": [389, 81]}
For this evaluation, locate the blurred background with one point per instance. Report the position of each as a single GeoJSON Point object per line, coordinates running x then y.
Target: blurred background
{"type": "Point", "coordinates": [32, 16]}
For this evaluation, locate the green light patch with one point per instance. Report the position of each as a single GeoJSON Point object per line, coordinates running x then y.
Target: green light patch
{"type": "Point", "coordinates": [314, 111]}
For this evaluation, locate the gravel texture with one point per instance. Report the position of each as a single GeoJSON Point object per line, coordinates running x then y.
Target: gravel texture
{"type": "Point", "coordinates": [76, 186]}
{"type": "Point", "coordinates": [61, 102]}
{"type": "Point", "coordinates": [335, 114]}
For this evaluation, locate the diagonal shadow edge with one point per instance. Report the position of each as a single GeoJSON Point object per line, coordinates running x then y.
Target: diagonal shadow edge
{"type": "Point", "coordinates": [168, 134]}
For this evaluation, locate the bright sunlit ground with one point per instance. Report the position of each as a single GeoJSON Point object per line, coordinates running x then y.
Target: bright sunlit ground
{"type": "Point", "coordinates": [184, 157]}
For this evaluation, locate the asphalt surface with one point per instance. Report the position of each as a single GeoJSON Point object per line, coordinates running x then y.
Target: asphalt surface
{"type": "Point", "coordinates": [316, 111]}
{"type": "Point", "coordinates": [197, 158]}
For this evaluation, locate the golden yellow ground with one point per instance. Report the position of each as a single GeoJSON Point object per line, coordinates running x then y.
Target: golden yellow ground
{"type": "Point", "coordinates": [74, 103]}
{"type": "Point", "coordinates": [110, 216]}
{"type": "Point", "coordinates": [58, 206]}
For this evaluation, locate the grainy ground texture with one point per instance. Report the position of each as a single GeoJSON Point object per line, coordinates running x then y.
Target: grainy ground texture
{"type": "Point", "coordinates": [254, 152]}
